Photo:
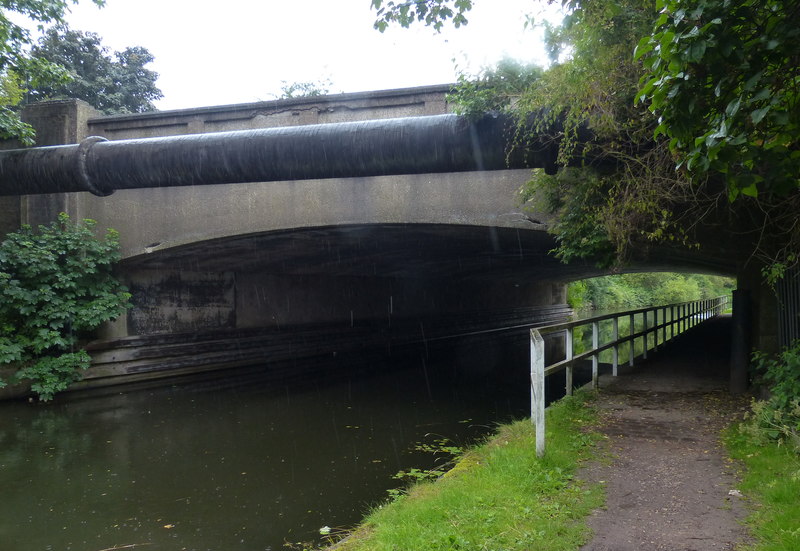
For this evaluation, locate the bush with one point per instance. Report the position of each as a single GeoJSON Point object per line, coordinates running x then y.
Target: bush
{"type": "Point", "coordinates": [778, 418]}
{"type": "Point", "coordinates": [630, 291]}
{"type": "Point", "coordinates": [56, 286]}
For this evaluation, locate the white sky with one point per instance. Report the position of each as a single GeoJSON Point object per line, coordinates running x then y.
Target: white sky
{"type": "Point", "coordinates": [233, 51]}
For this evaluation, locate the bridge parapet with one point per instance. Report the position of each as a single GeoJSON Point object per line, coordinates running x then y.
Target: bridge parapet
{"type": "Point", "coordinates": [336, 108]}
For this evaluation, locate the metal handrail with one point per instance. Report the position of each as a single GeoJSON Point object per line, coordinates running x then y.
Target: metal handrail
{"type": "Point", "coordinates": [689, 314]}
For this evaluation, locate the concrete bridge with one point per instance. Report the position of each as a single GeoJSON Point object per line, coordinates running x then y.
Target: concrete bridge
{"type": "Point", "coordinates": [226, 275]}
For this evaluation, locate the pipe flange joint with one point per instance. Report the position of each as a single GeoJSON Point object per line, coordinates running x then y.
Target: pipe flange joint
{"type": "Point", "coordinates": [83, 172]}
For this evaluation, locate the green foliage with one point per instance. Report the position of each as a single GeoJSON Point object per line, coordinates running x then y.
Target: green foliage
{"type": "Point", "coordinates": [434, 13]}
{"type": "Point", "coordinates": [305, 89]}
{"type": "Point", "coordinates": [16, 64]}
{"type": "Point", "coordinates": [413, 475]}
{"type": "Point", "coordinates": [778, 418]}
{"type": "Point", "coordinates": [770, 480]}
{"type": "Point", "coordinates": [721, 76]}
{"type": "Point", "coordinates": [576, 294]}
{"type": "Point", "coordinates": [56, 285]}
{"type": "Point", "coordinates": [617, 188]}
{"type": "Point", "coordinates": [53, 374]}
{"type": "Point", "coordinates": [112, 82]}
{"type": "Point", "coordinates": [629, 291]}
{"type": "Point", "coordinates": [580, 228]}
{"type": "Point", "coordinates": [781, 374]}
{"type": "Point", "coordinates": [495, 89]}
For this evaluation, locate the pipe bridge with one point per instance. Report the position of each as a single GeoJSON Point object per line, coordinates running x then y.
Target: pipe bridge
{"type": "Point", "coordinates": [358, 222]}
{"type": "Point", "coordinates": [416, 145]}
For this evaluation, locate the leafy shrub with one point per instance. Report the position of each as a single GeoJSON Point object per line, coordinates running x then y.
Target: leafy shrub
{"type": "Point", "coordinates": [629, 291]}
{"type": "Point", "coordinates": [56, 286]}
{"type": "Point", "coordinates": [778, 418]}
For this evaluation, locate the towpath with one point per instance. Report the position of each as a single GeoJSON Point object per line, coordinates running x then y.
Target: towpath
{"type": "Point", "coordinates": [669, 483]}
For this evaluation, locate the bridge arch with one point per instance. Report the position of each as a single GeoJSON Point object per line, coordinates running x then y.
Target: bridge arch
{"type": "Point", "coordinates": [371, 259]}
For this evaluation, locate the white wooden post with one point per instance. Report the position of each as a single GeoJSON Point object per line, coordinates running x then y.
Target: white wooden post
{"type": "Point", "coordinates": [537, 389]}
{"type": "Point", "coordinates": [568, 346]}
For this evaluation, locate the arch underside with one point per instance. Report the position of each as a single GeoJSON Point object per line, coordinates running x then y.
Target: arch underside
{"type": "Point", "coordinates": [416, 251]}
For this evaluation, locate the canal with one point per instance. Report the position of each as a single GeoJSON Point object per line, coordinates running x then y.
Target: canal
{"type": "Point", "coordinates": [239, 462]}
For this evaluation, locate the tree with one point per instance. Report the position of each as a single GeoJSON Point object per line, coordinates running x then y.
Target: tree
{"type": "Point", "coordinates": [494, 89]}
{"type": "Point", "coordinates": [309, 89]}
{"type": "Point", "coordinates": [56, 285]}
{"type": "Point", "coordinates": [112, 82]}
{"type": "Point", "coordinates": [431, 12]}
{"type": "Point", "coordinates": [720, 154]}
{"type": "Point", "coordinates": [18, 70]}
{"type": "Point", "coordinates": [722, 77]}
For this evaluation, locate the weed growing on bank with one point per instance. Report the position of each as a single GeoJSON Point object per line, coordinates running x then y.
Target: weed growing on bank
{"type": "Point", "coordinates": [771, 482]}
{"type": "Point", "coordinates": [499, 496]}
{"type": "Point", "coordinates": [777, 419]}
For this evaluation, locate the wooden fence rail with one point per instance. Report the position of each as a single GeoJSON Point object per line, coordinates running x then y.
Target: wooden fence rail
{"type": "Point", "coordinates": [657, 325]}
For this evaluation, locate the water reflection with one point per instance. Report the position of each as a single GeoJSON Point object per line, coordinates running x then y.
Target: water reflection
{"type": "Point", "coordinates": [247, 466]}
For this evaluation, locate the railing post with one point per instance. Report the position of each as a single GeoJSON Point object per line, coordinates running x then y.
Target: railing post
{"type": "Point", "coordinates": [655, 329]}
{"type": "Point", "coordinates": [595, 359]}
{"type": "Point", "coordinates": [631, 350]}
{"type": "Point", "coordinates": [664, 324]}
{"type": "Point", "coordinates": [568, 346]}
{"type": "Point", "coordinates": [615, 353]}
{"type": "Point", "coordinates": [682, 318]}
{"type": "Point", "coordinates": [644, 333]}
{"type": "Point", "coordinates": [672, 321]}
{"type": "Point", "coordinates": [537, 389]}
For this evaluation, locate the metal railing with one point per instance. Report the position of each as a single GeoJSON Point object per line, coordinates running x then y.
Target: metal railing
{"type": "Point", "coordinates": [648, 328]}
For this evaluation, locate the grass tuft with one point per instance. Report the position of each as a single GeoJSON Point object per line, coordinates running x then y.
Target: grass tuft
{"type": "Point", "coordinates": [771, 480]}
{"type": "Point", "coordinates": [499, 496]}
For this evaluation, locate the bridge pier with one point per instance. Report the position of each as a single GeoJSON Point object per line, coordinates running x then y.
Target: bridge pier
{"type": "Point", "coordinates": [187, 322]}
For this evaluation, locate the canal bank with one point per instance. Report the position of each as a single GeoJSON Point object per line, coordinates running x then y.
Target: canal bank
{"type": "Point", "coordinates": [667, 481]}
{"type": "Point", "coordinates": [499, 495]}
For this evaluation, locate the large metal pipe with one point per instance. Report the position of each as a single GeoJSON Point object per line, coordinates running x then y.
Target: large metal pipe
{"type": "Point", "coordinates": [413, 145]}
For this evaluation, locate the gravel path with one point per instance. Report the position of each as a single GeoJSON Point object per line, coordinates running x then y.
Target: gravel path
{"type": "Point", "coordinates": [669, 483]}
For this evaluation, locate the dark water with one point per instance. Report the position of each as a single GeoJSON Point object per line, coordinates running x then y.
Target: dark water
{"type": "Point", "coordinates": [242, 463]}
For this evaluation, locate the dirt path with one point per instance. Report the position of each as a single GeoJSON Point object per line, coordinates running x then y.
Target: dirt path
{"type": "Point", "coordinates": [668, 480]}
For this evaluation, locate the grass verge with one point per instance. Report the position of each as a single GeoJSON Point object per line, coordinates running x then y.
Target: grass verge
{"type": "Point", "coordinates": [771, 480]}
{"type": "Point", "coordinates": [499, 496]}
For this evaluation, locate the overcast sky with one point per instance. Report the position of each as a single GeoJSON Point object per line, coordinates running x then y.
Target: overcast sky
{"type": "Point", "coordinates": [233, 51]}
